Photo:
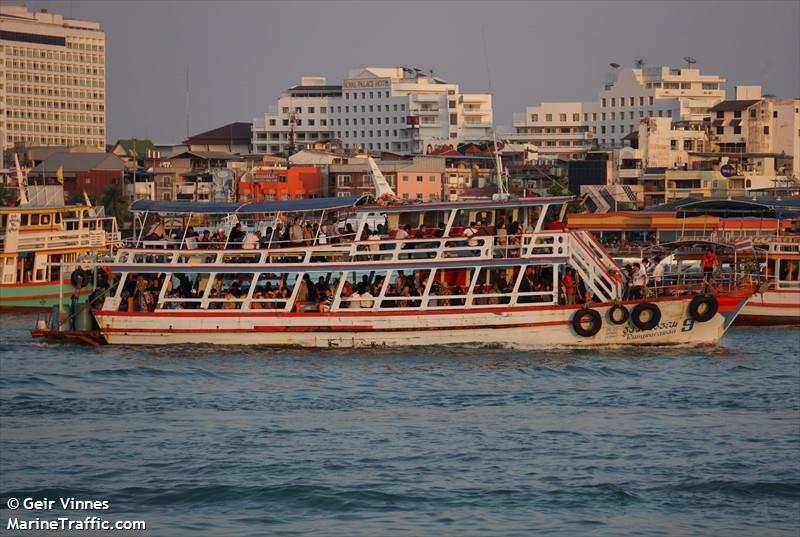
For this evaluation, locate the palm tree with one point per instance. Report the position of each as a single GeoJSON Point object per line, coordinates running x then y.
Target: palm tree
{"type": "Point", "coordinates": [116, 204]}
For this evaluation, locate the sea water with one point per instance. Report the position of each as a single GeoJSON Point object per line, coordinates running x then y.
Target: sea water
{"type": "Point", "coordinates": [203, 440]}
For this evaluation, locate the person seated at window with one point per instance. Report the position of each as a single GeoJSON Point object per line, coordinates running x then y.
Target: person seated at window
{"type": "Point", "coordinates": [366, 296]}
{"type": "Point", "coordinates": [321, 285]}
{"type": "Point", "coordinates": [214, 294]}
{"type": "Point", "coordinates": [402, 233]}
{"type": "Point", "coordinates": [229, 303]}
{"type": "Point", "coordinates": [255, 304]}
{"type": "Point", "coordinates": [347, 293]}
{"type": "Point", "coordinates": [326, 302]}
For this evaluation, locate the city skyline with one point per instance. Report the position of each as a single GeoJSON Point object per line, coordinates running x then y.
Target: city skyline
{"type": "Point", "coordinates": [234, 75]}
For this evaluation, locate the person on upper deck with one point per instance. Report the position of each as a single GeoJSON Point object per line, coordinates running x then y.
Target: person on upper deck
{"type": "Point", "coordinates": [205, 240]}
{"type": "Point", "coordinates": [156, 231]}
{"type": "Point", "coordinates": [251, 240]}
{"type": "Point", "coordinates": [236, 236]}
{"type": "Point", "coordinates": [296, 233]}
{"type": "Point", "coordinates": [469, 233]}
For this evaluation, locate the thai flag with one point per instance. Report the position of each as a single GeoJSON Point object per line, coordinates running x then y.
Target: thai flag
{"type": "Point", "coordinates": [743, 245]}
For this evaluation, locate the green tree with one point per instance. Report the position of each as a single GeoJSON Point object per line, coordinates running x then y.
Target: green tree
{"type": "Point", "coordinates": [116, 204]}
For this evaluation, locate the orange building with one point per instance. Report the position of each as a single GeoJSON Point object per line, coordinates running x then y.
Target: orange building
{"type": "Point", "coordinates": [269, 184]}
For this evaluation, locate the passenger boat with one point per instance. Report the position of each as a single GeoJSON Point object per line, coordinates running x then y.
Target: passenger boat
{"type": "Point", "coordinates": [778, 302]}
{"type": "Point", "coordinates": [41, 251]}
{"type": "Point", "coordinates": [502, 284]}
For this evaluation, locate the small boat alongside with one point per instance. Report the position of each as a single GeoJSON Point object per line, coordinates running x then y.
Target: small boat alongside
{"type": "Point", "coordinates": [42, 250]}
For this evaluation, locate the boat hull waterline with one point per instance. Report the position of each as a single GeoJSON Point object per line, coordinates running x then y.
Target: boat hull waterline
{"type": "Point", "coordinates": [519, 327]}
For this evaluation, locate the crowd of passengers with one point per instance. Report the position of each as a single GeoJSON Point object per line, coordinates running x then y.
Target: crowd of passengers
{"type": "Point", "coordinates": [298, 233]}
{"type": "Point", "coordinates": [141, 292]}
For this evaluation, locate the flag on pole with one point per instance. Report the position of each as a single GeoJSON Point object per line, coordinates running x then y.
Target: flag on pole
{"type": "Point", "coordinates": [60, 175]}
{"type": "Point", "coordinates": [743, 245]}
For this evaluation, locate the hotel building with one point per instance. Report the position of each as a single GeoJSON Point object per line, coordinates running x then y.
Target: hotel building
{"type": "Point", "coordinates": [53, 79]}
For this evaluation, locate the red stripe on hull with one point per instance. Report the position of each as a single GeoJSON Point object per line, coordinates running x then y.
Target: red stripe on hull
{"type": "Point", "coordinates": [766, 320]}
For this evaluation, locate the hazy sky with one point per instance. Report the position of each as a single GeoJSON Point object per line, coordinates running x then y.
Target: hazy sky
{"type": "Point", "coordinates": [241, 55]}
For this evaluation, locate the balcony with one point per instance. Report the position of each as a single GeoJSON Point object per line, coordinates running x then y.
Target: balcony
{"type": "Point", "coordinates": [425, 111]}
{"type": "Point", "coordinates": [422, 98]}
{"type": "Point", "coordinates": [476, 125]}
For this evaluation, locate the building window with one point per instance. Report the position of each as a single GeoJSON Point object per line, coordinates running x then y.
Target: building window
{"type": "Point", "coordinates": [603, 104]}
{"type": "Point", "coordinates": [585, 118]}
{"type": "Point", "coordinates": [720, 130]}
{"type": "Point", "coordinates": [603, 115]}
{"type": "Point", "coordinates": [454, 119]}
{"type": "Point", "coordinates": [298, 110]}
{"type": "Point", "coordinates": [710, 85]}
{"type": "Point", "coordinates": [451, 104]}
{"type": "Point", "coordinates": [737, 130]}
{"type": "Point", "coordinates": [766, 129]}
{"type": "Point", "coordinates": [631, 101]}
{"type": "Point", "coordinates": [323, 110]}
{"type": "Point", "coordinates": [343, 180]}
{"type": "Point", "coordinates": [432, 178]}
{"type": "Point", "coordinates": [271, 122]}
{"type": "Point", "coordinates": [603, 129]}
{"type": "Point", "coordinates": [405, 178]}
{"type": "Point", "coordinates": [419, 179]}
{"type": "Point", "coordinates": [534, 118]}
{"type": "Point", "coordinates": [562, 118]}
{"type": "Point", "coordinates": [669, 113]}
{"type": "Point", "coordinates": [720, 114]}
{"type": "Point", "coordinates": [310, 109]}
{"type": "Point", "coordinates": [641, 101]}
{"type": "Point", "coordinates": [660, 113]}
{"type": "Point", "coordinates": [737, 113]}
{"type": "Point", "coordinates": [548, 117]}
{"type": "Point", "coordinates": [576, 117]}
{"type": "Point", "coordinates": [594, 116]}
{"type": "Point", "coordinates": [285, 109]}
{"type": "Point", "coordinates": [613, 102]}
{"type": "Point", "coordinates": [612, 129]}
{"type": "Point", "coordinates": [651, 100]}
{"type": "Point", "coordinates": [613, 116]}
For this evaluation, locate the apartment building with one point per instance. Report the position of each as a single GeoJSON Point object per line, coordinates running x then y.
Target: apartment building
{"type": "Point", "coordinates": [376, 108]}
{"type": "Point", "coordinates": [638, 93]}
{"type": "Point", "coordinates": [557, 129]}
{"type": "Point", "coordinates": [630, 95]}
{"type": "Point", "coordinates": [300, 118]}
{"type": "Point", "coordinates": [53, 81]}
{"type": "Point", "coordinates": [418, 178]}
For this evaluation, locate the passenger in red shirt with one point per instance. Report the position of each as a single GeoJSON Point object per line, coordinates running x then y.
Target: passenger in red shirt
{"type": "Point", "coordinates": [568, 287]}
{"type": "Point", "coordinates": [709, 261]}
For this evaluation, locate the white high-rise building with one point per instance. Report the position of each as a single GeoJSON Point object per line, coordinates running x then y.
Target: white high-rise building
{"type": "Point", "coordinates": [52, 79]}
{"type": "Point", "coordinates": [378, 108]}
{"type": "Point", "coordinates": [397, 109]}
{"type": "Point", "coordinates": [301, 117]}
{"type": "Point", "coordinates": [637, 93]}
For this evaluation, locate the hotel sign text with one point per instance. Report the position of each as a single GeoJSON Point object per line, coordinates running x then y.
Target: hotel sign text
{"type": "Point", "coordinates": [384, 83]}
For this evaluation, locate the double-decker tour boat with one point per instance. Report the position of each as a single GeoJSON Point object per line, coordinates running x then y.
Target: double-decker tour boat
{"type": "Point", "coordinates": [486, 272]}
{"type": "Point", "coordinates": [41, 250]}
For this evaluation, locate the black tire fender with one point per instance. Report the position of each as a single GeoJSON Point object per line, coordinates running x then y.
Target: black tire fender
{"type": "Point", "coordinates": [618, 314]}
{"type": "Point", "coordinates": [646, 316]}
{"type": "Point", "coordinates": [583, 315]}
{"type": "Point", "coordinates": [703, 308]}
{"type": "Point", "coordinates": [79, 278]}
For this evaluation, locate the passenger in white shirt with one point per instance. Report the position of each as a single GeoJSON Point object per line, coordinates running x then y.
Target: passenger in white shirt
{"type": "Point", "coordinates": [658, 273]}
{"type": "Point", "coordinates": [250, 241]}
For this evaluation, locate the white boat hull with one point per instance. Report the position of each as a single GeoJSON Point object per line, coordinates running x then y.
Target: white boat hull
{"type": "Point", "coordinates": [773, 307]}
{"type": "Point", "coordinates": [528, 327]}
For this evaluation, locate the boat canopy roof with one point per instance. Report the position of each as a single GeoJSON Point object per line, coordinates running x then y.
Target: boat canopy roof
{"type": "Point", "coordinates": [251, 207]}
{"type": "Point", "coordinates": [467, 204]}
{"type": "Point", "coordinates": [725, 208]}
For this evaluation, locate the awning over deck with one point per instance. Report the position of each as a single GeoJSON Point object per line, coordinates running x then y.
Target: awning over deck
{"type": "Point", "coordinates": [727, 208]}
{"type": "Point", "coordinates": [284, 206]}
{"type": "Point", "coordinates": [466, 205]}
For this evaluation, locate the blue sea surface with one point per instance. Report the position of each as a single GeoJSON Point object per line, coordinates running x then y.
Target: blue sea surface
{"type": "Point", "coordinates": [229, 441]}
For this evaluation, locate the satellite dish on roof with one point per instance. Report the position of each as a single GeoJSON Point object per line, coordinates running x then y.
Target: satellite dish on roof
{"type": "Point", "coordinates": [614, 65]}
{"type": "Point", "coordinates": [689, 60]}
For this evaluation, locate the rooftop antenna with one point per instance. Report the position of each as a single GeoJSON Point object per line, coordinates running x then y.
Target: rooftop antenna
{"type": "Point", "coordinates": [689, 61]}
{"type": "Point", "coordinates": [639, 62]}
